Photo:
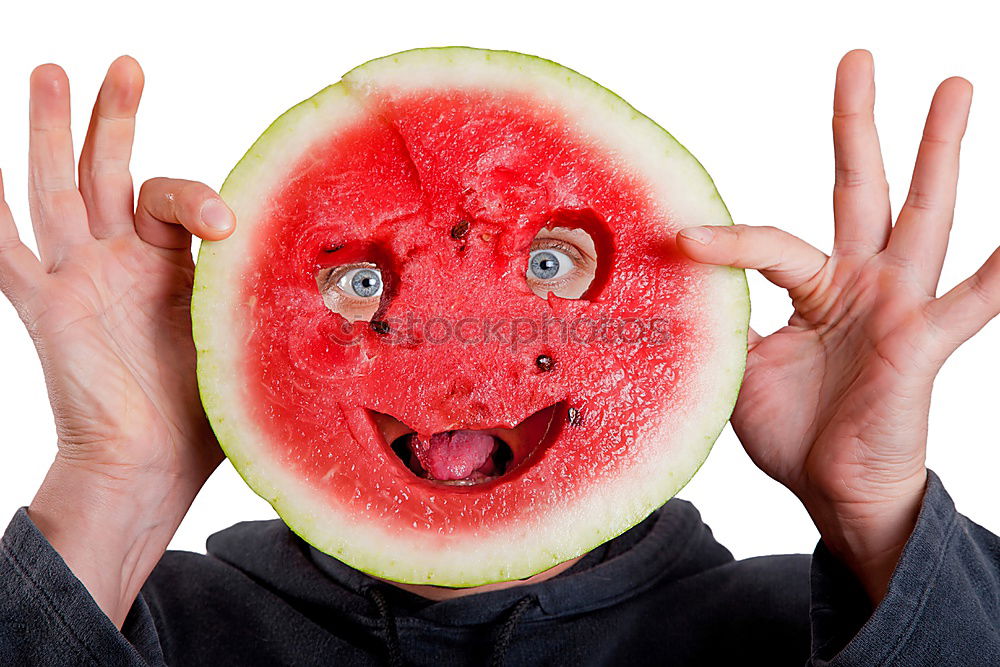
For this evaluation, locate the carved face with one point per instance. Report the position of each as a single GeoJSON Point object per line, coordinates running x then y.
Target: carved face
{"type": "Point", "coordinates": [463, 325]}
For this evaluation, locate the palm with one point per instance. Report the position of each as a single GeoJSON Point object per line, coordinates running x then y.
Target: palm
{"type": "Point", "coordinates": [119, 312]}
{"type": "Point", "coordinates": [830, 378]}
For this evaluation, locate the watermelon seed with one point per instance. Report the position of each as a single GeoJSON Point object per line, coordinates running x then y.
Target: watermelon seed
{"type": "Point", "coordinates": [380, 327]}
{"type": "Point", "coordinates": [334, 248]}
{"type": "Point", "coordinates": [545, 363]}
{"type": "Point", "coordinates": [460, 229]}
{"type": "Point", "coordinates": [574, 417]}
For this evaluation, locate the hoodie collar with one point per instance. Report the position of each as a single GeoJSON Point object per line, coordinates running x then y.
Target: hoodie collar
{"type": "Point", "coordinates": [671, 543]}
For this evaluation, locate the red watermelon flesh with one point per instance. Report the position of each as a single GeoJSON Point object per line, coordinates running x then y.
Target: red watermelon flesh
{"type": "Point", "coordinates": [434, 428]}
{"type": "Point", "coordinates": [433, 386]}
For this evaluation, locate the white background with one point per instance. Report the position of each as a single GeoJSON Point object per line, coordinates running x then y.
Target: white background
{"type": "Point", "coordinates": [746, 87]}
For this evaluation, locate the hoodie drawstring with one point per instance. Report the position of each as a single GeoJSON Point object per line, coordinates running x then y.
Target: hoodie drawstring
{"type": "Point", "coordinates": [505, 632]}
{"type": "Point", "coordinates": [394, 655]}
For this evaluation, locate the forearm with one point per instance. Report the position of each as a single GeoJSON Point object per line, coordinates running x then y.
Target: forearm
{"type": "Point", "coordinates": [110, 531]}
{"type": "Point", "coordinates": [869, 537]}
{"type": "Point", "coordinates": [941, 607]}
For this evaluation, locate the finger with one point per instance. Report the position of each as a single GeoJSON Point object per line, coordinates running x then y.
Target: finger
{"type": "Point", "coordinates": [921, 234]}
{"type": "Point", "coordinates": [171, 209]}
{"type": "Point", "coordinates": [860, 193]}
{"type": "Point", "coordinates": [970, 305]}
{"type": "Point", "coordinates": [105, 181]}
{"type": "Point", "coordinates": [785, 260]}
{"type": "Point", "coordinates": [57, 210]}
{"type": "Point", "coordinates": [20, 271]}
{"type": "Point", "coordinates": [753, 338]}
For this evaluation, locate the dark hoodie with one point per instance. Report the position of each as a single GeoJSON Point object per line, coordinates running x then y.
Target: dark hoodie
{"type": "Point", "coordinates": [664, 593]}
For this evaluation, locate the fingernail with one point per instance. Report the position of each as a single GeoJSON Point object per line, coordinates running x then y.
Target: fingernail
{"type": "Point", "coordinates": [702, 235]}
{"type": "Point", "coordinates": [215, 215]}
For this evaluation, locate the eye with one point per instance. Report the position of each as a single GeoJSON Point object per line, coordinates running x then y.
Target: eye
{"type": "Point", "coordinates": [353, 291]}
{"type": "Point", "coordinates": [561, 261]}
{"type": "Point", "coordinates": [363, 282]}
{"type": "Point", "coordinates": [549, 264]}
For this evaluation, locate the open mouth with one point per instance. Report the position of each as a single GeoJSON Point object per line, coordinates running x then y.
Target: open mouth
{"type": "Point", "coordinates": [468, 457]}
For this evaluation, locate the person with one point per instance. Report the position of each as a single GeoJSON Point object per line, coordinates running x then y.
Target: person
{"type": "Point", "coordinates": [834, 406]}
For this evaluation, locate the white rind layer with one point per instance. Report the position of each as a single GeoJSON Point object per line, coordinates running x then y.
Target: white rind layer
{"type": "Point", "coordinates": [683, 441]}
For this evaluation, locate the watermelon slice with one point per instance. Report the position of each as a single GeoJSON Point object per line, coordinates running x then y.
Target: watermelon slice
{"type": "Point", "coordinates": [377, 361]}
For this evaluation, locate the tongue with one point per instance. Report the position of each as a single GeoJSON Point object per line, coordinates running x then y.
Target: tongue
{"type": "Point", "coordinates": [454, 454]}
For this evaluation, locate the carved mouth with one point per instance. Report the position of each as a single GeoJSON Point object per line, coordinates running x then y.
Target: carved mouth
{"type": "Point", "coordinates": [469, 456]}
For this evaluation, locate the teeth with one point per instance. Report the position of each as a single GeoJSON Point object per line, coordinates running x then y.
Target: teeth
{"type": "Point", "coordinates": [462, 482]}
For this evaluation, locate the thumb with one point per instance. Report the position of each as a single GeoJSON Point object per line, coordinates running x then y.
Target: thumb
{"type": "Point", "coordinates": [169, 210]}
{"type": "Point", "coordinates": [785, 260]}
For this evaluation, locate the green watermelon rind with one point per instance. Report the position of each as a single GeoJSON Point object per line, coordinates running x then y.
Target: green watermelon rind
{"type": "Point", "coordinates": [384, 555]}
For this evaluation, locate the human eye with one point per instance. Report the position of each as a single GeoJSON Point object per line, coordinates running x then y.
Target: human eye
{"type": "Point", "coordinates": [561, 261]}
{"type": "Point", "coordinates": [353, 291]}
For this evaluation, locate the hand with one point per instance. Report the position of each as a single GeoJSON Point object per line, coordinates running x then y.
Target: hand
{"type": "Point", "coordinates": [834, 405]}
{"type": "Point", "coordinates": [107, 306]}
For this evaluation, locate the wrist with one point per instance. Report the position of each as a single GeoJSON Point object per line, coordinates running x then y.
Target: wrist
{"type": "Point", "coordinates": [868, 534]}
{"type": "Point", "coordinates": [111, 530]}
